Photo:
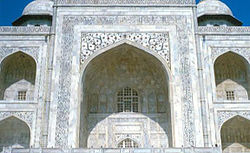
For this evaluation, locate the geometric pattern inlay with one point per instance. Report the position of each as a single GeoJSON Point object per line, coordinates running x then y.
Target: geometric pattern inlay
{"type": "Point", "coordinates": [158, 42]}
{"type": "Point", "coordinates": [182, 49]}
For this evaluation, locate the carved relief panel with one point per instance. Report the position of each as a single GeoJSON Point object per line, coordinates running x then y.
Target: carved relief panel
{"type": "Point", "coordinates": [154, 41]}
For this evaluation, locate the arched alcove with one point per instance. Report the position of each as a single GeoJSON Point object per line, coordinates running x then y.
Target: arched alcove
{"type": "Point", "coordinates": [14, 132]}
{"type": "Point", "coordinates": [235, 135]}
{"type": "Point", "coordinates": [130, 76]}
{"type": "Point", "coordinates": [18, 71]}
{"type": "Point", "coordinates": [232, 76]}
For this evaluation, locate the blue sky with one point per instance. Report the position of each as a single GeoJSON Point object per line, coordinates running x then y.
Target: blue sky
{"type": "Point", "coordinates": [10, 10]}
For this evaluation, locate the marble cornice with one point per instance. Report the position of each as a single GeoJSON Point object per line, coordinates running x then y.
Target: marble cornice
{"type": "Point", "coordinates": [126, 2]}
{"type": "Point", "coordinates": [25, 30]}
{"type": "Point", "coordinates": [229, 30]}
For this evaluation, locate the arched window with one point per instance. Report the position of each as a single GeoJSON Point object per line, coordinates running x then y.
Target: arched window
{"type": "Point", "coordinates": [127, 100]}
{"type": "Point", "coordinates": [127, 143]}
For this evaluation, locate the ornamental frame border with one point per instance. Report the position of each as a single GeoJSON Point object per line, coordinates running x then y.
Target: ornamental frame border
{"type": "Point", "coordinates": [126, 2]}
{"type": "Point", "coordinates": [63, 103]}
{"type": "Point", "coordinates": [223, 30]}
{"type": "Point", "coordinates": [42, 30]}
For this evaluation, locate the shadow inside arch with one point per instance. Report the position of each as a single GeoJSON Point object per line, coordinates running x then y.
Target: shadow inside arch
{"type": "Point", "coordinates": [14, 132]}
{"type": "Point", "coordinates": [235, 135]}
{"type": "Point", "coordinates": [15, 67]}
{"type": "Point", "coordinates": [232, 73]}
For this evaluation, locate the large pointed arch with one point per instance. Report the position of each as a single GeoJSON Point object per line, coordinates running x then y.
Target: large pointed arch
{"type": "Point", "coordinates": [91, 68]}
{"type": "Point", "coordinates": [235, 136]}
{"type": "Point", "coordinates": [15, 67]}
{"type": "Point", "coordinates": [232, 77]}
{"type": "Point", "coordinates": [14, 132]}
{"type": "Point", "coordinates": [164, 62]}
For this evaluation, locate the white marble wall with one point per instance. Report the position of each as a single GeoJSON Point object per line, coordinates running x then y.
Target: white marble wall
{"type": "Point", "coordinates": [71, 23]}
{"type": "Point", "coordinates": [33, 42]}
{"type": "Point", "coordinates": [196, 114]}
{"type": "Point", "coordinates": [211, 47]}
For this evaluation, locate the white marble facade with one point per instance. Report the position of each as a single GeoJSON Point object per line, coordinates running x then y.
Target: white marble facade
{"type": "Point", "coordinates": [125, 74]}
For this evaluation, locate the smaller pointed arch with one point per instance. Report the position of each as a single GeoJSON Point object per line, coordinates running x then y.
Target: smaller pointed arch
{"type": "Point", "coordinates": [14, 132]}
{"type": "Point", "coordinates": [235, 135]}
{"type": "Point", "coordinates": [232, 77]}
{"type": "Point", "coordinates": [15, 67]}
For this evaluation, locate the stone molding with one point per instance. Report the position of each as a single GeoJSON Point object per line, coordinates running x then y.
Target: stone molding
{"type": "Point", "coordinates": [33, 51]}
{"type": "Point", "coordinates": [24, 30]}
{"type": "Point", "coordinates": [225, 115]}
{"type": "Point", "coordinates": [129, 2]}
{"type": "Point", "coordinates": [243, 51]}
{"type": "Point", "coordinates": [63, 101]}
{"type": "Point", "coordinates": [27, 117]}
{"type": "Point", "coordinates": [91, 150]}
{"type": "Point", "coordinates": [223, 30]}
{"type": "Point", "coordinates": [158, 42]}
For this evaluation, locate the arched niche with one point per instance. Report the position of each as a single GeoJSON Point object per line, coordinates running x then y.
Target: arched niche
{"type": "Point", "coordinates": [18, 71]}
{"type": "Point", "coordinates": [118, 69]}
{"type": "Point", "coordinates": [15, 133]}
{"type": "Point", "coordinates": [232, 76]}
{"type": "Point", "coordinates": [235, 135]}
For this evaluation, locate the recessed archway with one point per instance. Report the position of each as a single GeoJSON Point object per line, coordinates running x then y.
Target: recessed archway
{"type": "Point", "coordinates": [232, 76]}
{"type": "Point", "coordinates": [15, 68]}
{"type": "Point", "coordinates": [235, 135]}
{"type": "Point", "coordinates": [15, 133]}
{"type": "Point", "coordinates": [134, 71]}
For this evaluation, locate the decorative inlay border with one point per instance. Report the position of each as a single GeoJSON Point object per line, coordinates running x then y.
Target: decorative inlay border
{"type": "Point", "coordinates": [131, 2]}
{"type": "Point", "coordinates": [28, 117]}
{"type": "Point", "coordinates": [158, 42]}
{"type": "Point", "coordinates": [6, 51]}
{"type": "Point", "coordinates": [223, 116]}
{"type": "Point", "coordinates": [24, 30]}
{"type": "Point", "coordinates": [223, 29]}
{"type": "Point", "coordinates": [243, 51]}
{"type": "Point", "coordinates": [63, 101]}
